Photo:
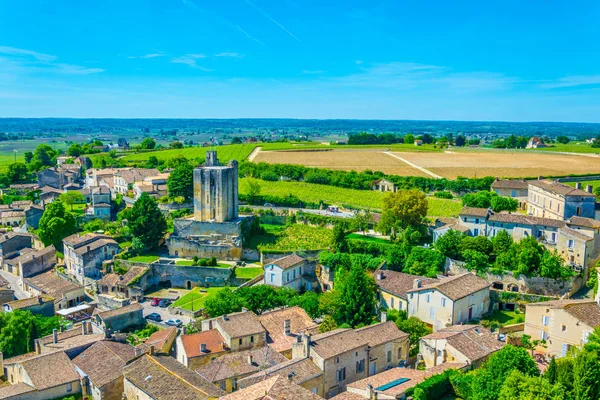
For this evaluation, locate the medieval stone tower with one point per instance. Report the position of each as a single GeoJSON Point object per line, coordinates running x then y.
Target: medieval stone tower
{"type": "Point", "coordinates": [216, 190]}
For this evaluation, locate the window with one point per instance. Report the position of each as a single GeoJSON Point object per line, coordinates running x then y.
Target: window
{"type": "Point", "coordinates": [300, 271]}
{"type": "Point", "coordinates": [400, 353]}
{"type": "Point", "coordinates": [545, 320]}
{"type": "Point", "coordinates": [69, 387]}
{"type": "Point", "coordinates": [392, 302]}
{"type": "Point", "coordinates": [563, 328]}
{"type": "Point", "coordinates": [570, 243]}
{"type": "Point", "coordinates": [234, 384]}
{"type": "Point", "coordinates": [240, 342]}
{"type": "Point", "coordinates": [432, 313]}
{"type": "Point", "coordinates": [475, 232]}
{"type": "Point", "coordinates": [222, 385]}
{"type": "Point", "coordinates": [287, 276]}
{"type": "Point", "coordinates": [251, 339]}
{"type": "Point", "coordinates": [360, 366]}
{"type": "Point", "coordinates": [443, 302]}
{"type": "Point", "coordinates": [341, 374]}
{"type": "Point", "coordinates": [294, 274]}
{"type": "Point", "coordinates": [337, 360]}
{"type": "Point", "coordinates": [476, 220]}
{"type": "Point", "coordinates": [586, 336]}
{"type": "Point", "coordinates": [578, 210]}
{"type": "Point", "coordinates": [513, 193]}
{"type": "Point", "coordinates": [543, 335]}
{"type": "Point", "coordinates": [459, 316]}
{"type": "Point", "coordinates": [389, 356]}
{"type": "Point", "coordinates": [428, 297]}
{"type": "Point", "coordinates": [272, 277]}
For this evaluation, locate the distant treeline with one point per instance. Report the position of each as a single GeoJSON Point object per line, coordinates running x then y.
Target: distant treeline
{"type": "Point", "coordinates": [357, 180]}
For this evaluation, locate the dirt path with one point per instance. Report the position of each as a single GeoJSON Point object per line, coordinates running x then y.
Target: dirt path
{"type": "Point", "coordinates": [414, 165]}
{"type": "Point", "coordinates": [254, 153]}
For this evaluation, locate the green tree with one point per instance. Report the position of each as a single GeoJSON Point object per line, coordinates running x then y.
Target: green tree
{"type": "Point", "coordinates": [409, 138]}
{"type": "Point", "coordinates": [586, 371]}
{"type": "Point", "coordinates": [415, 328]}
{"type": "Point", "coordinates": [553, 266]}
{"type": "Point", "coordinates": [564, 373]}
{"type": "Point", "coordinates": [146, 221]}
{"type": "Point", "coordinates": [71, 197]}
{"type": "Point", "coordinates": [328, 324]}
{"type": "Point", "coordinates": [309, 302]}
{"type": "Point", "coordinates": [224, 302]}
{"type": "Point", "coordinates": [449, 244]}
{"type": "Point", "coordinates": [28, 156]}
{"type": "Point", "coordinates": [476, 261]}
{"type": "Point", "coordinates": [563, 139]}
{"type": "Point", "coordinates": [176, 145]}
{"type": "Point", "coordinates": [460, 141]}
{"type": "Point", "coordinates": [502, 242]}
{"type": "Point", "coordinates": [424, 261]}
{"type": "Point", "coordinates": [480, 244]}
{"type": "Point", "coordinates": [551, 373]}
{"type": "Point", "coordinates": [56, 224]}
{"type": "Point", "coordinates": [18, 329]}
{"type": "Point", "coordinates": [43, 156]}
{"type": "Point", "coordinates": [254, 189]}
{"type": "Point", "coordinates": [489, 379]}
{"type": "Point", "coordinates": [17, 172]}
{"type": "Point", "coordinates": [357, 298]}
{"type": "Point", "coordinates": [181, 182]}
{"type": "Point", "coordinates": [499, 203]}
{"type": "Point", "coordinates": [75, 150]}
{"type": "Point", "coordinates": [339, 237]}
{"type": "Point", "coordinates": [519, 386]}
{"type": "Point", "coordinates": [236, 140]}
{"type": "Point", "coordinates": [402, 209]}
{"type": "Point", "coordinates": [148, 144]}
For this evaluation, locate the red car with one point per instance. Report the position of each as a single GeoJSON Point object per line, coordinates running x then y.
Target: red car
{"type": "Point", "coordinates": [155, 301]}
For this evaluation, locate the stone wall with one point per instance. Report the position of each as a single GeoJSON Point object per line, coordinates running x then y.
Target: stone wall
{"type": "Point", "coordinates": [179, 276]}
{"type": "Point", "coordinates": [523, 284]}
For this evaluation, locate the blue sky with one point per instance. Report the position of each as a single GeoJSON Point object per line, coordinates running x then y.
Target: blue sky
{"type": "Point", "coordinates": [464, 60]}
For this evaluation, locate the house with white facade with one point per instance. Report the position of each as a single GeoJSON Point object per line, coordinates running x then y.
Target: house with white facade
{"type": "Point", "coordinates": [449, 301]}
{"type": "Point", "coordinates": [84, 254]}
{"type": "Point", "coordinates": [291, 271]}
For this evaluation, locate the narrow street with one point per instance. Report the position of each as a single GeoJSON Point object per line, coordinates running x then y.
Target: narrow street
{"type": "Point", "coordinates": [14, 285]}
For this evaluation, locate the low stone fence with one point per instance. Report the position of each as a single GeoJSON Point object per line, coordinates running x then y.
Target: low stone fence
{"type": "Point", "coordinates": [166, 207]}
{"type": "Point", "coordinates": [512, 328]}
{"type": "Point", "coordinates": [252, 281]}
{"type": "Point", "coordinates": [522, 284]}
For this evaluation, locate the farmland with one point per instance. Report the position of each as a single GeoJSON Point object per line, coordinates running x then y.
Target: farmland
{"type": "Point", "coordinates": [237, 152]}
{"type": "Point", "coordinates": [357, 160]}
{"type": "Point", "coordinates": [293, 238]}
{"type": "Point", "coordinates": [312, 192]}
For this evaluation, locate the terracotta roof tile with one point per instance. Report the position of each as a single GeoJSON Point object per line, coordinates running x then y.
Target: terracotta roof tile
{"type": "Point", "coordinates": [273, 321]}
{"type": "Point", "coordinates": [275, 388]}
{"type": "Point", "coordinates": [118, 311]}
{"type": "Point", "coordinates": [53, 285]}
{"type": "Point", "coordinates": [587, 311]}
{"type": "Point", "coordinates": [458, 286]}
{"type": "Point", "coordinates": [211, 338]}
{"type": "Point", "coordinates": [560, 188]}
{"type": "Point", "coordinates": [237, 363]}
{"type": "Point", "coordinates": [103, 362]}
{"type": "Point", "coordinates": [288, 261]}
{"type": "Point", "coordinates": [241, 324]}
{"type": "Point", "coordinates": [473, 341]}
{"type": "Point", "coordinates": [299, 370]}
{"type": "Point", "coordinates": [163, 378]}
{"type": "Point", "coordinates": [510, 184]}
{"type": "Point", "coordinates": [50, 370]}
{"type": "Point", "coordinates": [586, 222]}
{"type": "Point", "coordinates": [398, 283]}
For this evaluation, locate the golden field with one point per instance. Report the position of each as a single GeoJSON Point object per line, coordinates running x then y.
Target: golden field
{"type": "Point", "coordinates": [449, 164]}
{"type": "Point", "coordinates": [347, 160]}
{"type": "Point", "coordinates": [503, 164]}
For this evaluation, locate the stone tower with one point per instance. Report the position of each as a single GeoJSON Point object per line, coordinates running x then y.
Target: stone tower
{"type": "Point", "coordinates": [216, 190]}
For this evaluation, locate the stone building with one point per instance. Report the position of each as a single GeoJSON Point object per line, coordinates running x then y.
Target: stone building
{"type": "Point", "coordinates": [84, 254]}
{"type": "Point", "coordinates": [58, 177]}
{"type": "Point", "coordinates": [550, 199]}
{"type": "Point", "coordinates": [513, 188]}
{"type": "Point", "coordinates": [290, 271]}
{"type": "Point", "coordinates": [28, 262]}
{"type": "Point", "coordinates": [65, 293]}
{"type": "Point", "coordinates": [40, 305]}
{"type": "Point", "coordinates": [469, 344]}
{"type": "Point", "coordinates": [215, 229]}
{"type": "Point", "coordinates": [12, 242]}
{"type": "Point", "coordinates": [121, 319]}
{"type": "Point", "coordinates": [392, 288]}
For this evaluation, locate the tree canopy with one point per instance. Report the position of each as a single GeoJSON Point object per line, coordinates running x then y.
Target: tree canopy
{"type": "Point", "coordinates": [56, 224]}
{"type": "Point", "coordinates": [402, 209]}
{"type": "Point", "coordinates": [181, 181]}
{"type": "Point", "coordinates": [146, 221]}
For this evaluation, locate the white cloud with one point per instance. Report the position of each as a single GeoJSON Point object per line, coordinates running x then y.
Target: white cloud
{"type": "Point", "coordinates": [13, 51]}
{"type": "Point", "coordinates": [17, 61]}
{"type": "Point", "coordinates": [313, 72]}
{"type": "Point", "coordinates": [190, 61]}
{"type": "Point", "coordinates": [572, 81]}
{"type": "Point", "coordinates": [232, 55]}
{"type": "Point", "coordinates": [150, 55]}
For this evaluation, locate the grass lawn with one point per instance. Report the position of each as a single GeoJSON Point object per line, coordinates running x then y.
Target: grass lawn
{"type": "Point", "coordinates": [194, 300]}
{"type": "Point", "coordinates": [78, 209]}
{"type": "Point", "coordinates": [125, 245]}
{"type": "Point", "coordinates": [248, 272]}
{"type": "Point", "coordinates": [571, 147]}
{"type": "Point", "coordinates": [144, 259]}
{"type": "Point", "coordinates": [368, 199]}
{"type": "Point", "coordinates": [356, 236]}
{"type": "Point", "coordinates": [505, 317]}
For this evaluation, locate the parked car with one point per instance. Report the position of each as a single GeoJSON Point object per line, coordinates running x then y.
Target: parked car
{"type": "Point", "coordinates": [174, 322]}
{"type": "Point", "coordinates": [155, 301]}
{"type": "Point", "coordinates": [164, 303]}
{"type": "Point", "coordinates": [154, 317]}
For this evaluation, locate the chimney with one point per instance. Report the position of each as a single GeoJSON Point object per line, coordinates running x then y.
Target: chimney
{"type": "Point", "coordinates": [38, 346]}
{"type": "Point", "coordinates": [250, 359]}
{"type": "Point", "coordinates": [540, 178]}
{"type": "Point", "coordinates": [83, 328]}
{"type": "Point", "coordinates": [306, 344]}
{"type": "Point", "coordinates": [107, 334]}
{"type": "Point", "coordinates": [578, 185]}
{"type": "Point", "coordinates": [497, 179]}
{"type": "Point", "coordinates": [184, 330]}
{"type": "Point", "coordinates": [286, 327]}
{"type": "Point", "coordinates": [202, 347]}
{"type": "Point", "coordinates": [88, 248]}
{"type": "Point", "coordinates": [380, 275]}
{"type": "Point", "coordinates": [383, 316]}
{"type": "Point", "coordinates": [416, 283]}
{"type": "Point", "coordinates": [589, 188]}
{"type": "Point", "coordinates": [151, 349]}
{"type": "Point", "coordinates": [54, 336]}
{"type": "Point", "coordinates": [369, 391]}
{"type": "Point", "coordinates": [40, 300]}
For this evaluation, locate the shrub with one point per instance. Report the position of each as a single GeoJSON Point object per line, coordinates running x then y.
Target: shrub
{"type": "Point", "coordinates": [443, 195]}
